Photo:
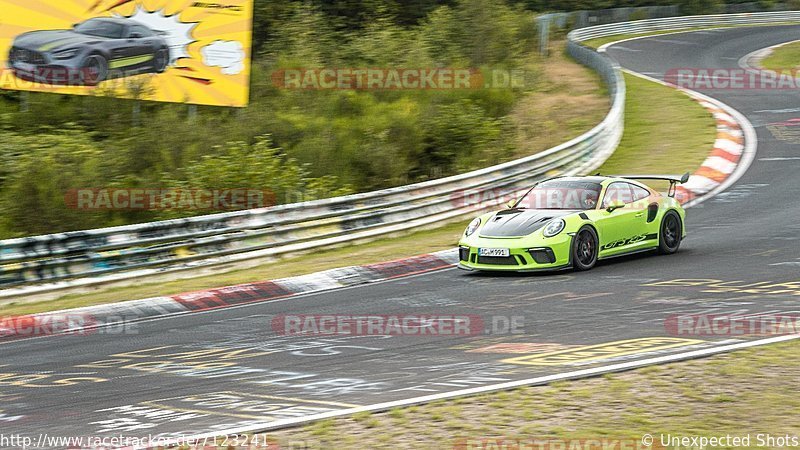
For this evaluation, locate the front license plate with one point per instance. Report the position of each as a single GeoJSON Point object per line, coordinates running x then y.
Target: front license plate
{"type": "Point", "coordinates": [494, 252]}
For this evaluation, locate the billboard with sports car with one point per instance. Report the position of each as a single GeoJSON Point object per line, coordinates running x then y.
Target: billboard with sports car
{"type": "Point", "coordinates": [183, 51]}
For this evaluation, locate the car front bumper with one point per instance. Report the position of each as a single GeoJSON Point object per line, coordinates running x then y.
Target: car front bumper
{"type": "Point", "coordinates": [525, 255]}
{"type": "Point", "coordinates": [52, 74]}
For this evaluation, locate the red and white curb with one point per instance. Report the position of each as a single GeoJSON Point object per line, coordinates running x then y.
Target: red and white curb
{"type": "Point", "coordinates": [723, 160]}
{"type": "Point", "coordinates": [733, 152]}
{"type": "Point", "coordinates": [81, 320]}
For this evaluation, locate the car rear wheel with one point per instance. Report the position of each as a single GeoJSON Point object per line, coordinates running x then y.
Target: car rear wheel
{"type": "Point", "coordinates": [161, 60]}
{"type": "Point", "coordinates": [96, 69]}
{"type": "Point", "coordinates": [584, 249]}
{"type": "Point", "coordinates": [669, 239]}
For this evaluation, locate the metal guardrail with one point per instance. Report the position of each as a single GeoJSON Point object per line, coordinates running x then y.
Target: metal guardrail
{"type": "Point", "coordinates": [55, 261]}
{"type": "Point", "coordinates": [681, 23]}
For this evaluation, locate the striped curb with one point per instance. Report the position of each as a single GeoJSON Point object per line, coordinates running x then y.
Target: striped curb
{"type": "Point", "coordinates": [82, 320]}
{"type": "Point", "coordinates": [724, 157]}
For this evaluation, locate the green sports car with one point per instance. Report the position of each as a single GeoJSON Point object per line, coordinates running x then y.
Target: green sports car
{"type": "Point", "coordinates": [574, 222]}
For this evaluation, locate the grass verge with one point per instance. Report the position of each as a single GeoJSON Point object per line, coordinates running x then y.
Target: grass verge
{"type": "Point", "coordinates": [785, 57]}
{"type": "Point", "coordinates": [674, 138]}
{"type": "Point", "coordinates": [747, 392]}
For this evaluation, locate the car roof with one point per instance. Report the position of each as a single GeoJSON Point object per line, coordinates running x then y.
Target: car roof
{"type": "Point", "coordinates": [119, 20]}
{"type": "Point", "coordinates": [603, 180]}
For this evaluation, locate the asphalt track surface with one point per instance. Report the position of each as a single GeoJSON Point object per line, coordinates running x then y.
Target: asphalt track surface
{"type": "Point", "coordinates": [227, 368]}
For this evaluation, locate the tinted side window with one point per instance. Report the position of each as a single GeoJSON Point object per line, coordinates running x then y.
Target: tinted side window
{"type": "Point", "coordinates": [143, 31]}
{"type": "Point", "coordinates": [639, 193]}
{"type": "Point", "coordinates": [617, 192]}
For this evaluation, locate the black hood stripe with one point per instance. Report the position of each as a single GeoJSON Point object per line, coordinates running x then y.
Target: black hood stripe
{"type": "Point", "coordinates": [519, 222]}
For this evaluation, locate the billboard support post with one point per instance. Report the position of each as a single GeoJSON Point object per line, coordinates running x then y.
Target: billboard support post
{"type": "Point", "coordinates": [192, 113]}
{"type": "Point", "coordinates": [24, 101]}
{"type": "Point", "coordinates": [137, 108]}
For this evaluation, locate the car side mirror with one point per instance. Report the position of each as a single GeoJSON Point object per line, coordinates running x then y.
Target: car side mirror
{"type": "Point", "coordinates": [75, 25]}
{"type": "Point", "coordinates": [615, 205]}
{"type": "Point", "coordinates": [510, 204]}
{"type": "Point", "coordinates": [135, 35]}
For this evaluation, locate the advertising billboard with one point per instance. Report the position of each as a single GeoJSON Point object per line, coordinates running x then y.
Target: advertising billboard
{"type": "Point", "coordinates": [184, 51]}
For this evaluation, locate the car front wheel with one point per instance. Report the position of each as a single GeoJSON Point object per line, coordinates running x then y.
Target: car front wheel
{"type": "Point", "coordinates": [161, 60]}
{"type": "Point", "coordinates": [584, 249]}
{"type": "Point", "coordinates": [96, 69]}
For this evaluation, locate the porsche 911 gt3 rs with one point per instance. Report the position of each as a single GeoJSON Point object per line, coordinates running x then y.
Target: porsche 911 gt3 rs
{"type": "Point", "coordinates": [573, 222]}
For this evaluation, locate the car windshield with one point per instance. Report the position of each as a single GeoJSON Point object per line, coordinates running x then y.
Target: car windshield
{"type": "Point", "coordinates": [562, 194]}
{"type": "Point", "coordinates": [101, 28]}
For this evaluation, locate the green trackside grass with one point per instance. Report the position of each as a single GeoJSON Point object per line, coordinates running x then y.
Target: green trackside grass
{"type": "Point", "coordinates": [786, 57]}
{"type": "Point", "coordinates": [676, 137]}
{"type": "Point", "coordinates": [747, 392]}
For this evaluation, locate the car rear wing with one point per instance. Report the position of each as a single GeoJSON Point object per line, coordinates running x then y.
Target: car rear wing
{"type": "Point", "coordinates": [674, 180]}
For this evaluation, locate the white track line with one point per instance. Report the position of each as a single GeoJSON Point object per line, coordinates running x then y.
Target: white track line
{"type": "Point", "coordinates": [577, 374]}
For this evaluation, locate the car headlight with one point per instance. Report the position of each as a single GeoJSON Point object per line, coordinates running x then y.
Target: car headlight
{"type": "Point", "coordinates": [472, 227]}
{"type": "Point", "coordinates": [66, 54]}
{"type": "Point", "coordinates": [554, 227]}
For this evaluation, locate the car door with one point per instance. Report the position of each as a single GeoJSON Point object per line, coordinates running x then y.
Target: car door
{"type": "Point", "coordinates": [621, 229]}
{"type": "Point", "coordinates": [139, 49]}
{"type": "Point", "coordinates": [121, 49]}
{"type": "Point", "coordinates": [647, 203]}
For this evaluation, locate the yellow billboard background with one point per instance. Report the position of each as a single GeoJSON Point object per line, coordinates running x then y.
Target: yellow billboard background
{"type": "Point", "coordinates": [195, 77]}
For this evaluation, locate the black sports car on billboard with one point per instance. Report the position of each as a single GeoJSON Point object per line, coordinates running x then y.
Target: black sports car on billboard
{"type": "Point", "coordinates": [95, 50]}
